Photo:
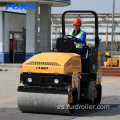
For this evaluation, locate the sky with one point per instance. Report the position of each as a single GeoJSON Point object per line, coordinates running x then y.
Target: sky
{"type": "Point", "coordinates": [100, 6]}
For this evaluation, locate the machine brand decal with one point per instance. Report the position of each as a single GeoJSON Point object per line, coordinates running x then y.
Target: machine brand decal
{"type": "Point", "coordinates": [20, 6]}
{"type": "Point", "coordinates": [69, 62]}
{"type": "Point", "coordinates": [42, 68]}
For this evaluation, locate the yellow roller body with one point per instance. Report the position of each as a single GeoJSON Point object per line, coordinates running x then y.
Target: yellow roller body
{"type": "Point", "coordinates": [61, 63]}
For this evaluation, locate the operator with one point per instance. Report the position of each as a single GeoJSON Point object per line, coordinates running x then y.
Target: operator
{"type": "Point", "coordinates": [79, 37]}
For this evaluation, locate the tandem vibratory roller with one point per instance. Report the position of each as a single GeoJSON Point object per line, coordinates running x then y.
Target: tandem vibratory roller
{"type": "Point", "coordinates": [54, 82]}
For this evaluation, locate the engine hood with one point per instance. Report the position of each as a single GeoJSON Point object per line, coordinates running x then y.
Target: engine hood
{"type": "Point", "coordinates": [52, 62]}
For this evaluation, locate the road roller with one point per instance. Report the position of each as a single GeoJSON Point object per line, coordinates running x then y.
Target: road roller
{"type": "Point", "coordinates": [57, 82]}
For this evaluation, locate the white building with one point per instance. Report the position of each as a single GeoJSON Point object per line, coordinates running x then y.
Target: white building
{"type": "Point", "coordinates": [12, 36]}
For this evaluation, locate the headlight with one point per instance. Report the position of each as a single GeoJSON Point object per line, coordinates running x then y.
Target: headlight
{"type": "Point", "coordinates": [56, 81]}
{"type": "Point", "coordinates": [29, 80]}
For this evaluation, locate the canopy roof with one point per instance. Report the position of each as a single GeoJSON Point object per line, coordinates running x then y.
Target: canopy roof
{"type": "Point", "coordinates": [56, 3]}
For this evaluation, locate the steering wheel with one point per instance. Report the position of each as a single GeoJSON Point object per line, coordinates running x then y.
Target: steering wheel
{"type": "Point", "coordinates": [71, 36]}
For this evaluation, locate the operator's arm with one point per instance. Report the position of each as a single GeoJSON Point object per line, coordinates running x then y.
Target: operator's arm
{"type": "Point", "coordinates": [82, 38]}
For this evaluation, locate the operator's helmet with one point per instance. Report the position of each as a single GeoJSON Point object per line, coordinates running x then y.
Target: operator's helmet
{"type": "Point", "coordinates": [77, 22]}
